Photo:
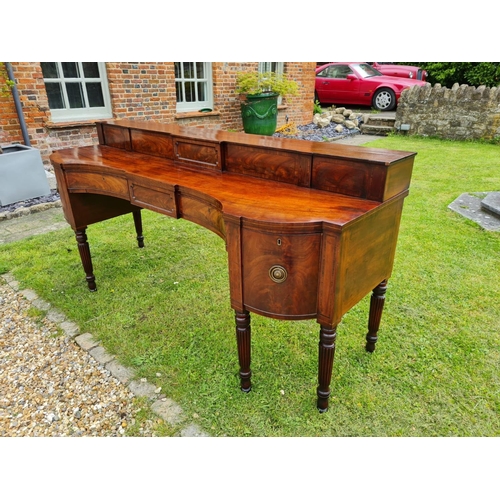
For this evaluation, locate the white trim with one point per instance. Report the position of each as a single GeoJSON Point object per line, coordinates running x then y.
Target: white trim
{"type": "Point", "coordinates": [265, 67]}
{"type": "Point", "coordinates": [183, 106]}
{"type": "Point", "coordinates": [87, 113]}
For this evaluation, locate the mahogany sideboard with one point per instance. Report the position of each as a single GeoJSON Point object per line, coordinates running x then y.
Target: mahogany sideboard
{"type": "Point", "coordinates": [310, 228]}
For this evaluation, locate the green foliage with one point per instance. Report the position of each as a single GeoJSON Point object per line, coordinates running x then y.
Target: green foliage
{"type": "Point", "coordinates": [495, 140]}
{"type": "Point", "coordinates": [254, 83]}
{"type": "Point", "coordinates": [486, 73]}
{"type": "Point", "coordinates": [317, 108]}
{"type": "Point", "coordinates": [463, 73]}
{"type": "Point", "coordinates": [5, 83]}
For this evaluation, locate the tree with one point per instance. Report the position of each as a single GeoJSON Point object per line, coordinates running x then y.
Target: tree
{"type": "Point", "coordinates": [468, 73]}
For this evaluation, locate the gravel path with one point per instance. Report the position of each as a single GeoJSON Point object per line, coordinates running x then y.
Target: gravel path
{"type": "Point", "coordinates": [49, 386]}
{"type": "Point", "coordinates": [18, 207]}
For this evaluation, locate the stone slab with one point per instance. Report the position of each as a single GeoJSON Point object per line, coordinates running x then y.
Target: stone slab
{"type": "Point", "coordinates": [142, 388]}
{"type": "Point", "coordinates": [101, 355]}
{"type": "Point", "coordinates": [56, 316]}
{"type": "Point", "coordinates": [168, 410]}
{"type": "Point", "coordinates": [33, 224]}
{"type": "Point", "coordinates": [193, 431]}
{"type": "Point", "coordinates": [86, 341]}
{"type": "Point", "coordinates": [70, 329]}
{"type": "Point", "coordinates": [491, 202]}
{"type": "Point", "coordinates": [120, 372]}
{"type": "Point", "coordinates": [469, 205]}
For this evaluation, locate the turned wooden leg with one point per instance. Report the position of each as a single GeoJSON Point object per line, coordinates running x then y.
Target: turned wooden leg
{"type": "Point", "coordinates": [327, 338]}
{"type": "Point", "coordinates": [243, 337]}
{"type": "Point", "coordinates": [376, 306]}
{"type": "Point", "coordinates": [138, 227]}
{"type": "Point", "coordinates": [84, 249]}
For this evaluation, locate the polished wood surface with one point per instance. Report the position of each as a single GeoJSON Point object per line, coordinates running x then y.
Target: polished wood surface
{"type": "Point", "coordinates": [310, 228]}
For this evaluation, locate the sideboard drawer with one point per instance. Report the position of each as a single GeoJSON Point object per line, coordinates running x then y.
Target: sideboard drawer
{"type": "Point", "coordinates": [100, 183]}
{"type": "Point", "coordinates": [202, 210]}
{"type": "Point", "coordinates": [159, 199]}
{"type": "Point", "coordinates": [280, 273]}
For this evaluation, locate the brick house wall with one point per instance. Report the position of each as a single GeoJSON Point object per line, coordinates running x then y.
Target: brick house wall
{"type": "Point", "coordinates": [33, 97]}
{"type": "Point", "coordinates": [142, 91]}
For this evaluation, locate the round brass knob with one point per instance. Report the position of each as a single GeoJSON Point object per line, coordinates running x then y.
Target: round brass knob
{"type": "Point", "coordinates": [278, 274]}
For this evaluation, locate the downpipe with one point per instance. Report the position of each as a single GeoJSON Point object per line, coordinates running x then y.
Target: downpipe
{"type": "Point", "coordinates": [19, 108]}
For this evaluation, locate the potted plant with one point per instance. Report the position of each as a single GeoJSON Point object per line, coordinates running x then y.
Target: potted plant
{"type": "Point", "coordinates": [259, 99]}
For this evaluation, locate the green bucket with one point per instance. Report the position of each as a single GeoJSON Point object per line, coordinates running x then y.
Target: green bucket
{"type": "Point", "coordinates": [260, 114]}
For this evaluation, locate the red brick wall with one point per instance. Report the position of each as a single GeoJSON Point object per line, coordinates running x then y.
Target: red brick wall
{"type": "Point", "coordinates": [31, 90]}
{"type": "Point", "coordinates": [300, 107]}
{"type": "Point", "coordinates": [142, 91]}
{"type": "Point", "coordinates": [9, 125]}
{"type": "Point", "coordinates": [225, 98]}
{"type": "Point", "coordinates": [43, 135]}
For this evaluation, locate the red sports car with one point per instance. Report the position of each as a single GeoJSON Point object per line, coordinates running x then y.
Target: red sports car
{"type": "Point", "coordinates": [359, 84]}
{"type": "Point", "coordinates": [391, 69]}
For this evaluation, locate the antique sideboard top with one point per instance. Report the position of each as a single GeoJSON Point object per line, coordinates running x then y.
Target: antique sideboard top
{"type": "Point", "coordinates": [267, 174]}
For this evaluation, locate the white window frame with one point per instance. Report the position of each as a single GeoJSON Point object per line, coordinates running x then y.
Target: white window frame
{"type": "Point", "coordinates": [182, 106]}
{"type": "Point", "coordinates": [87, 113]}
{"type": "Point", "coordinates": [279, 69]}
{"type": "Point", "coordinates": [265, 67]}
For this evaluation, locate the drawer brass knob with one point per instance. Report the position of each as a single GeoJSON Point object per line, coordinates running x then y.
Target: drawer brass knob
{"type": "Point", "coordinates": [278, 274]}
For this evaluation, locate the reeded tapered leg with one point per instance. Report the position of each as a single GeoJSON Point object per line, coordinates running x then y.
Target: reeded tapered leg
{"type": "Point", "coordinates": [138, 227]}
{"type": "Point", "coordinates": [243, 337]}
{"type": "Point", "coordinates": [376, 306]}
{"type": "Point", "coordinates": [84, 249]}
{"type": "Point", "coordinates": [327, 338]}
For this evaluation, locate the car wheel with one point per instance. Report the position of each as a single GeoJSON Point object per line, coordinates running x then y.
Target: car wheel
{"type": "Point", "coordinates": [384, 100]}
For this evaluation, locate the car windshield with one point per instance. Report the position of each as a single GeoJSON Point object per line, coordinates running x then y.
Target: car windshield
{"type": "Point", "coordinates": [366, 71]}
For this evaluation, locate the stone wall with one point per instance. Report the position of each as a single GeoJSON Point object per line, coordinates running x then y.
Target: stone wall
{"type": "Point", "coordinates": [459, 113]}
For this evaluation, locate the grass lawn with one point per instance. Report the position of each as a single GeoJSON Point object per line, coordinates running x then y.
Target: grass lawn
{"type": "Point", "coordinates": [165, 309]}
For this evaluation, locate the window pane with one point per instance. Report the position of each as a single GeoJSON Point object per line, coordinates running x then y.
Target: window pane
{"type": "Point", "coordinates": [90, 70]}
{"type": "Point", "coordinates": [188, 70]}
{"type": "Point", "coordinates": [193, 86]}
{"type": "Point", "coordinates": [200, 70]}
{"type": "Point", "coordinates": [94, 94]}
{"type": "Point", "coordinates": [70, 69]}
{"type": "Point", "coordinates": [55, 95]}
{"type": "Point", "coordinates": [49, 70]}
{"type": "Point", "coordinates": [178, 91]}
{"type": "Point", "coordinates": [190, 91]}
{"type": "Point", "coordinates": [201, 91]}
{"type": "Point", "coordinates": [275, 67]}
{"type": "Point", "coordinates": [177, 67]}
{"type": "Point", "coordinates": [75, 96]}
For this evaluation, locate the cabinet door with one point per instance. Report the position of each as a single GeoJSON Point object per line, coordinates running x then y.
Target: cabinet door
{"type": "Point", "coordinates": [280, 273]}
